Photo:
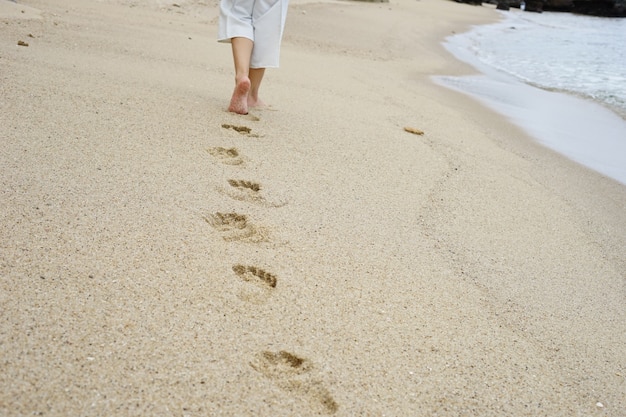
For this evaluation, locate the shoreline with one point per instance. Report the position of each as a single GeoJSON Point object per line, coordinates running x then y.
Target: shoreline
{"type": "Point", "coordinates": [161, 256]}
{"type": "Point", "coordinates": [583, 130]}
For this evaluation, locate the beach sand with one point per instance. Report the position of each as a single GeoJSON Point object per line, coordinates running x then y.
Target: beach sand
{"type": "Point", "coordinates": [161, 256]}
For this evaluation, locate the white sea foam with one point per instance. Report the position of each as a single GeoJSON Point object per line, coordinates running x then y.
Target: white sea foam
{"type": "Point", "coordinates": [528, 57]}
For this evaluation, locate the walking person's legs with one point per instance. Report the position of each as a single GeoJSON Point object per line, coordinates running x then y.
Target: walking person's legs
{"type": "Point", "coordinates": [247, 80]}
{"type": "Point", "coordinates": [254, 28]}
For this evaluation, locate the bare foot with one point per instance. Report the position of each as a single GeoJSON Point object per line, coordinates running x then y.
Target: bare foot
{"type": "Point", "coordinates": [239, 100]}
{"type": "Point", "coordinates": [256, 102]}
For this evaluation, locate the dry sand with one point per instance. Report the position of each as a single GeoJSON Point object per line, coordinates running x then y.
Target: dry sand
{"type": "Point", "coordinates": [156, 261]}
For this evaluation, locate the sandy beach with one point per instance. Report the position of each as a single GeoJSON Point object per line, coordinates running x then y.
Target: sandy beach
{"type": "Point", "coordinates": [160, 256]}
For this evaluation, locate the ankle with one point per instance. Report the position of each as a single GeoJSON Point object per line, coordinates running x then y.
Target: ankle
{"type": "Point", "coordinates": [241, 78]}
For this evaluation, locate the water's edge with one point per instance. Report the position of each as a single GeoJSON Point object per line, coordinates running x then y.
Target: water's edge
{"type": "Point", "coordinates": [580, 129]}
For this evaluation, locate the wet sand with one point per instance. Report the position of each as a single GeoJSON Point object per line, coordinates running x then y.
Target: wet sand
{"type": "Point", "coordinates": [582, 130]}
{"type": "Point", "coordinates": [161, 256]}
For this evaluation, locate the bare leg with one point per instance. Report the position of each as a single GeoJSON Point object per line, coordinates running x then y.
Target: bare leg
{"type": "Point", "coordinates": [242, 50]}
{"type": "Point", "coordinates": [256, 76]}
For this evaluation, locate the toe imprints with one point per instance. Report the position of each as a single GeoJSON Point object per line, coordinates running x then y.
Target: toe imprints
{"type": "Point", "coordinates": [278, 365]}
{"type": "Point", "coordinates": [250, 191]}
{"type": "Point", "coordinates": [235, 226]}
{"type": "Point", "coordinates": [241, 184]}
{"type": "Point", "coordinates": [244, 130]}
{"type": "Point", "coordinates": [228, 156]}
{"type": "Point", "coordinates": [254, 274]}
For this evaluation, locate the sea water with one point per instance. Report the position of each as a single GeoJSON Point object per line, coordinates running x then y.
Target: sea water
{"type": "Point", "coordinates": [559, 76]}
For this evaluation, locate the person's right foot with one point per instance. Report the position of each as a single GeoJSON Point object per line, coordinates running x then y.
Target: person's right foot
{"type": "Point", "coordinates": [256, 103]}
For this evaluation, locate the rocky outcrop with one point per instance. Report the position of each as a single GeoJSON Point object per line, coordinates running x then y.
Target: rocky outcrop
{"type": "Point", "coordinates": [558, 5]}
{"type": "Point", "coordinates": [608, 8]}
{"type": "Point", "coordinates": [534, 6]}
{"type": "Point", "coordinates": [503, 5]}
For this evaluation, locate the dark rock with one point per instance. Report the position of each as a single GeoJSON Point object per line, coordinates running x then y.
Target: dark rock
{"type": "Point", "coordinates": [604, 8]}
{"type": "Point", "coordinates": [608, 8]}
{"type": "Point", "coordinates": [534, 6]}
{"type": "Point", "coordinates": [558, 5]}
{"type": "Point", "coordinates": [517, 4]}
{"type": "Point", "coordinates": [472, 2]}
{"type": "Point", "coordinates": [503, 5]}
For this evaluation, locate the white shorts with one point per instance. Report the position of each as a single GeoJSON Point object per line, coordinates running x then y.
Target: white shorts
{"type": "Point", "coordinates": [261, 21]}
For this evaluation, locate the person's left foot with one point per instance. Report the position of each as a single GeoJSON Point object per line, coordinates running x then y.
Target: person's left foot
{"type": "Point", "coordinates": [239, 100]}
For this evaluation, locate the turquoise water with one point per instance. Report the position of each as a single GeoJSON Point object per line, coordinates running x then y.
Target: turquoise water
{"type": "Point", "coordinates": [559, 76]}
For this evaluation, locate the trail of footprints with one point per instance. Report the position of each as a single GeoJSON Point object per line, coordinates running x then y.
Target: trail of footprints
{"type": "Point", "coordinates": [291, 373]}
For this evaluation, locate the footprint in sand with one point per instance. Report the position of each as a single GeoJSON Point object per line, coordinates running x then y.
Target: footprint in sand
{"type": "Point", "coordinates": [234, 226]}
{"type": "Point", "coordinates": [244, 130]}
{"type": "Point", "coordinates": [228, 156]}
{"type": "Point", "coordinates": [247, 191]}
{"type": "Point", "coordinates": [295, 375]}
{"type": "Point", "coordinates": [259, 283]}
